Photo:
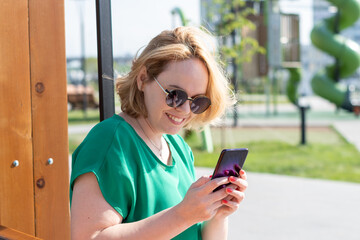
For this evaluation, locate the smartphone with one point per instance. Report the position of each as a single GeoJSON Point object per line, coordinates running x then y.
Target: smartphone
{"type": "Point", "coordinates": [230, 163]}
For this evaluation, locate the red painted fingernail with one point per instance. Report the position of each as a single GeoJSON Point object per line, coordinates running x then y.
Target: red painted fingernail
{"type": "Point", "coordinates": [224, 201]}
{"type": "Point", "coordinates": [242, 172]}
{"type": "Point", "coordinates": [229, 190]}
{"type": "Point", "coordinates": [232, 179]}
{"type": "Point", "coordinates": [210, 176]}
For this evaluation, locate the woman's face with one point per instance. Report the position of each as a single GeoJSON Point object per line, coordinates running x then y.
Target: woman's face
{"type": "Point", "coordinates": [190, 76]}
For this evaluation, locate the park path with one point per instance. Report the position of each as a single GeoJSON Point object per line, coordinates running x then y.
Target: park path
{"type": "Point", "coordinates": [280, 207]}
{"type": "Point", "coordinates": [350, 130]}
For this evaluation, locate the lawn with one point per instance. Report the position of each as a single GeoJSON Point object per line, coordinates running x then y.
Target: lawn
{"type": "Point", "coordinates": [81, 117]}
{"type": "Point", "coordinates": [277, 150]}
{"type": "Point", "coordinates": [326, 155]}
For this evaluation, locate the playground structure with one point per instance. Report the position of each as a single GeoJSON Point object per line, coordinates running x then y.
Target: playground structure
{"type": "Point", "coordinates": [283, 52]}
{"type": "Point", "coordinates": [283, 48]}
{"type": "Point", "coordinates": [325, 36]}
{"type": "Point", "coordinates": [34, 167]}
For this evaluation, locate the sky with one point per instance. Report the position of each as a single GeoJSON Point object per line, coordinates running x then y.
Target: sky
{"type": "Point", "coordinates": [136, 22]}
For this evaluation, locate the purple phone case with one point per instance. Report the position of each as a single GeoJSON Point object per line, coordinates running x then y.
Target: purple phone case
{"type": "Point", "coordinates": [230, 163]}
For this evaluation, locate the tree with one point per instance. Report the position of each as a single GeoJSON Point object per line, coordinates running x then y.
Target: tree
{"type": "Point", "coordinates": [227, 19]}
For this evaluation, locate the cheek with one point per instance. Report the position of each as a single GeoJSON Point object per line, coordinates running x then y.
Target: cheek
{"type": "Point", "coordinates": [154, 103]}
{"type": "Point", "coordinates": [192, 116]}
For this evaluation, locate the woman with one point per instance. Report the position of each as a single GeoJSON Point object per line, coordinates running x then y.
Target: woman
{"type": "Point", "coordinates": [133, 176]}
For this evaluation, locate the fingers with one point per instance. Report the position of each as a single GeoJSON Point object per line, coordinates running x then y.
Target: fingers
{"type": "Point", "coordinates": [214, 183]}
{"type": "Point", "coordinates": [237, 196]}
{"type": "Point", "coordinates": [230, 202]}
{"type": "Point", "coordinates": [240, 182]}
{"type": "Point", "coordinates": [243, 174]}
{"type": "Point", "coordinates": [201, 181]}
{"type": "Point", "coordinates": [234, 205]}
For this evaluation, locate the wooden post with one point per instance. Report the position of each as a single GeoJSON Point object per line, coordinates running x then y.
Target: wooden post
{"type": "Point", "coordinates": [33, 119]}
{"type": "Point", "coordinates": [49, 114]}
{"type": "Point", "coordinates": [16, 181]}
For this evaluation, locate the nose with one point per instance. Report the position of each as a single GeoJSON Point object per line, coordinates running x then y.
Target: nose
{"type": "Point", "coordinates": [185, 107]}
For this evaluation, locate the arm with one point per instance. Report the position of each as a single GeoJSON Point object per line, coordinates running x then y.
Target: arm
{"type": "Point", "coordinates": [93, 218]}
{"type": "Point", "coordinates": [217, 227]}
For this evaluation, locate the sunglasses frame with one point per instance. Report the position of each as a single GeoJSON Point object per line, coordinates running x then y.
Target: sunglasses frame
{"type": "Point", "coordinates": [167, 92]}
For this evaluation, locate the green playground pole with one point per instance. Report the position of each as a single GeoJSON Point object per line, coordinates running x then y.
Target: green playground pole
{"type": "Point", "coordinates": [207, 139]}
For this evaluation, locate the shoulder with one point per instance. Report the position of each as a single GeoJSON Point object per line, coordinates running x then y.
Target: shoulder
{"type": "Point", "coordinates": [180, 146]}
{"type": "Point", "coordinates": [108, 126]}
{"type": "Point", "coordinates": [104, 132]}
{"type": "Point", "coordinates": [101, 138]}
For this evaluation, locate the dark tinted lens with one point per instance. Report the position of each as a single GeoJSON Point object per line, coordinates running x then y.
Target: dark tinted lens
{"type": "Point", "coordinates": [176, 98]}
{"type": "Point", "coordinates": [200, 104]}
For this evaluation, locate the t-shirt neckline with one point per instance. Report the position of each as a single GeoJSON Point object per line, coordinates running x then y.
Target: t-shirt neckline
{"type": "Point", "coordinates": [143, 142]}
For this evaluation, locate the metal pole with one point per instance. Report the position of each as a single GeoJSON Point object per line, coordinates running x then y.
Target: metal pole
{"type": "Point", "coordinates": [303, 124]}
{"type": "Point", "coordinates": [105, 59]}
{"type": "Point", "coordinates": [235, 71]}
{"type": "Point", "coordinates": [275, 89]}
{"type": "Point", "coordinates": [83, 60]}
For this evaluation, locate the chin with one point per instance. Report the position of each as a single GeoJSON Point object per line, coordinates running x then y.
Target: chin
{"type": "Point", "coordinates": [173, 131]}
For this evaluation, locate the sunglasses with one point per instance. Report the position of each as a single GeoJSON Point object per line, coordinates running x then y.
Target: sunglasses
{"type": "Point", "coordinates": [176, 98]}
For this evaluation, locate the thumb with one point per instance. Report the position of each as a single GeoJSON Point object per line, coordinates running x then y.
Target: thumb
{"type": "Point", "coordinates": [201, 181]}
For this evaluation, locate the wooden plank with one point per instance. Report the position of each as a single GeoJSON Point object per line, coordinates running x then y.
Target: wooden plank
{"type": "Point", "coordinates": [12, 234]}
{"type": "Point", "coordinates": [49, 111]}
{"type": "Point", "coordinates": [16, 183]}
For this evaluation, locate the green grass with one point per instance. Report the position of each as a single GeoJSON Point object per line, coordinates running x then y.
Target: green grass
{"type": "Point", "coordinates": [81, 117]}
{"type": "Point", "coordinates": [326, 155]}
{"type": "Point", "coordinates": [74, 141]}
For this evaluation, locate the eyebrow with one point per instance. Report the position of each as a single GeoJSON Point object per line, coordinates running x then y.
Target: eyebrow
{"type": "Point", "coordinates": [176, 86]}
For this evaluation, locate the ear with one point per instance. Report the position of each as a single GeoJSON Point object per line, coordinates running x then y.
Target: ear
{"type": "Point", "coordinates": [141, 78]}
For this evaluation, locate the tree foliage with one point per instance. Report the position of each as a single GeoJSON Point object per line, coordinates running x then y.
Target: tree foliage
{"type": "Point", "coordinates": [228, 19]}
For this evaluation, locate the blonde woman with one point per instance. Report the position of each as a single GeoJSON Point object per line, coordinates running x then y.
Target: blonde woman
{"type": "Point", "coordinates": [133, 175]}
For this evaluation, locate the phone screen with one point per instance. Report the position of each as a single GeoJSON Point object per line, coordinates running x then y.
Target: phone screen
{"type": "Point", "coordinates": [230, 163]}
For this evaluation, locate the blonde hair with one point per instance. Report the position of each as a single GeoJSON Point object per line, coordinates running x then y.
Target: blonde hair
{"type": "Point", "coordinates": [179, 44]}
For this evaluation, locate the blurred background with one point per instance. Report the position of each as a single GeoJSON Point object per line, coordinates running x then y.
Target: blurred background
{"type": "Point", "coordinates": [294, 67]}
{"type": "Point", "coordinates": [297, 99]}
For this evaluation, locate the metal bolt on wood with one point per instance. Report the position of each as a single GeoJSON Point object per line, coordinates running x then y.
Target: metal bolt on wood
{"type": "Point", "coordinates": [15, 163]}
{"type": "Point", "coordinates": [50, 161]}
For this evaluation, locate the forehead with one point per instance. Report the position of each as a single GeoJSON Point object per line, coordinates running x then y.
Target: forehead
{"type": "Point", "coordinates": [190, 75]}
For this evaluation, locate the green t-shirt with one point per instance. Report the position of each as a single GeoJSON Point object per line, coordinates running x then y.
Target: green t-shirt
{"type": "Point", "coordinates": [131, 178]}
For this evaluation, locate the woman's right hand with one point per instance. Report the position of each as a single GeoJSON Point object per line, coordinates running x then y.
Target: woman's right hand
{"type": "Point", "coordinates": [200, 202]}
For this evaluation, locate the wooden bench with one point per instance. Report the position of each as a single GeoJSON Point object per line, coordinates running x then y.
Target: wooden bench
{"type": "Point", "coordinates": [12, 234]}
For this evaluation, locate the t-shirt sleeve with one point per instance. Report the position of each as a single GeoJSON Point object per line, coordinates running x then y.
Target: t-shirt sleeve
{"type": "Point", "coordinates": [101, 154]}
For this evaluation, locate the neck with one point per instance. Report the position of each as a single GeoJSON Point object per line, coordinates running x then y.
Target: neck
{"type": "Point", "coordinates": [149, 131]}
{"type": "Point", "coordinates": [154, 141]}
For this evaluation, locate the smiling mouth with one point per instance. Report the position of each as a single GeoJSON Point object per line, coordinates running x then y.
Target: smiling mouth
{"type": "Point", "coordinates": [174, 119]}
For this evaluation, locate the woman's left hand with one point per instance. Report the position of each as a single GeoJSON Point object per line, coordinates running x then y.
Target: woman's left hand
{"type": "Point", "coordinates": [235, 195]}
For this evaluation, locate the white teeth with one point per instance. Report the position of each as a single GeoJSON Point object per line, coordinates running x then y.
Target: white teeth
{"type": "Point", "coordinates": [175, 118]}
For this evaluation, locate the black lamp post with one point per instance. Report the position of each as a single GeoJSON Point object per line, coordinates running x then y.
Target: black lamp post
{"type": "Point", "coordinates": [303, 106]}
{"type": "Point", "coordinates": [105, 59]}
